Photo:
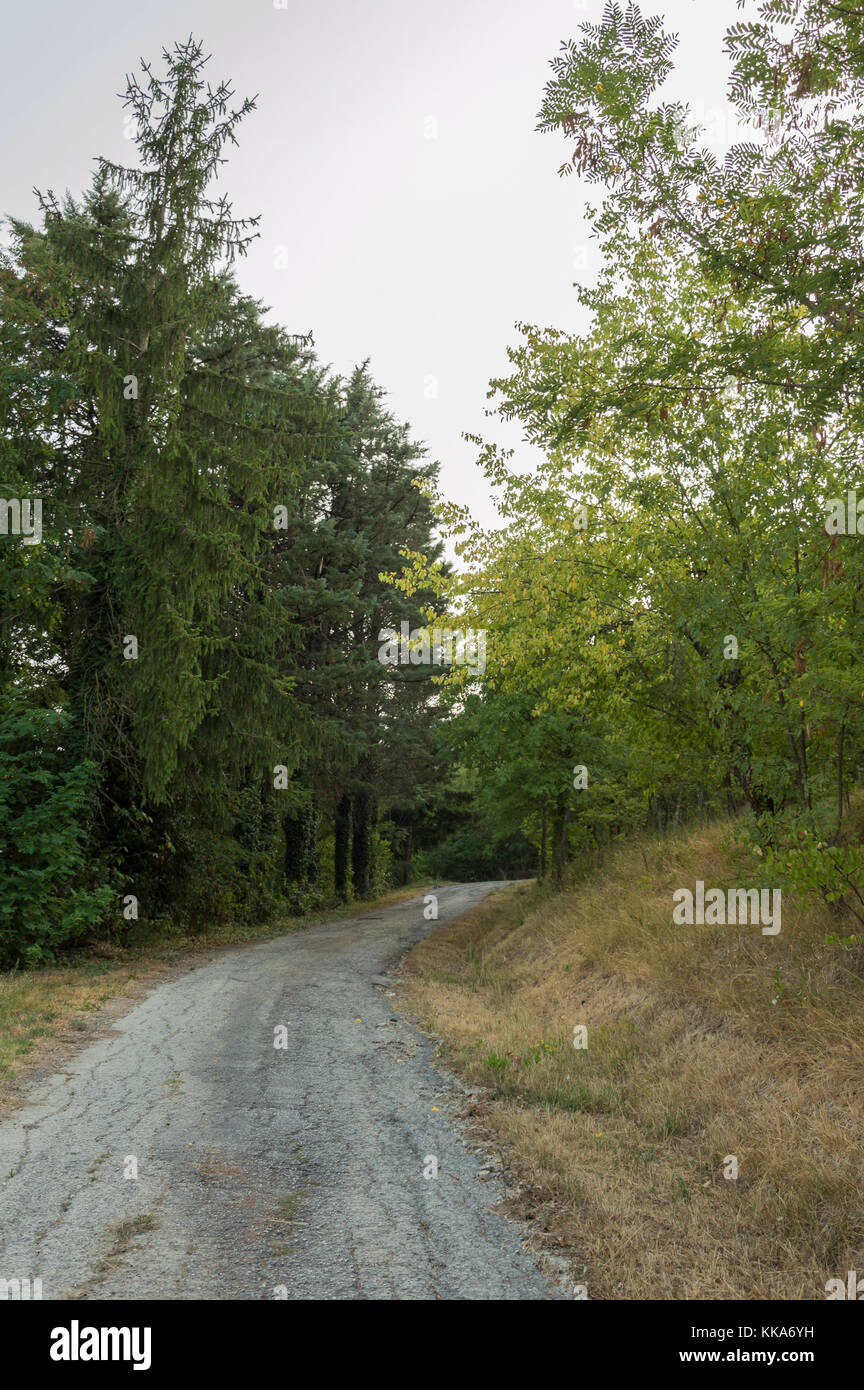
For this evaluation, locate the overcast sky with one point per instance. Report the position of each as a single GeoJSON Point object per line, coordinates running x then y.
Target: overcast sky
{"type": "Point", "coordinates": [393, 157]}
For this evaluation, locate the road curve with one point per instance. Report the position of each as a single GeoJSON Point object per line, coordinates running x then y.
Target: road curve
{"type": "Point", "coordinates": [262, 1172]}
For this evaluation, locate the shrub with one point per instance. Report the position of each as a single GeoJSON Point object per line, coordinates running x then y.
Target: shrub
{"type": "Point", "coordinates": [48, 897]}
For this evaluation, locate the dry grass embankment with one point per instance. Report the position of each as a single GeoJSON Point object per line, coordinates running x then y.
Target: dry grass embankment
{"type": "Point", "coordinates": [703, 1042]}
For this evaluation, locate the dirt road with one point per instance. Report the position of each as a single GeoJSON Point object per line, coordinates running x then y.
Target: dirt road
{"type": "Point", "coordinates": [263, 1171]}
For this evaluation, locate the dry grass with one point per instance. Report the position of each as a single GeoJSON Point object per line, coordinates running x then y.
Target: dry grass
{"type": "Point", "coordinates": [42, 1011]}
{"type": "Point", "coordinates": [703, 1042]}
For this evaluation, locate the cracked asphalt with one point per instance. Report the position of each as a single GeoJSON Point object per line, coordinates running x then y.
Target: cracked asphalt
{"type": "Point", "coordinates": [262, 1172]}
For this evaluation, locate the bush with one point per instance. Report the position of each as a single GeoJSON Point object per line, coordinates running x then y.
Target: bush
{"type": "Point", "coordinates": [47, 895]}
{"type": "Point", "coordinates": [474, 854]}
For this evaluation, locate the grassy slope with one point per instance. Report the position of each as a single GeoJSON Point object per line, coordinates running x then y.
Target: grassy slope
{"type": "Point", "coordinates": [703, 1042]}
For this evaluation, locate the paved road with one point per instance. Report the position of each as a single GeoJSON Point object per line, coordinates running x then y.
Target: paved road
{"type": "Point", "coordinates": [262, 1172]}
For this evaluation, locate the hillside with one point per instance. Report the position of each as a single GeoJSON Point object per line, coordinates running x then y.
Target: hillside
{"type": "Point", "coordinates": [704, 1043]}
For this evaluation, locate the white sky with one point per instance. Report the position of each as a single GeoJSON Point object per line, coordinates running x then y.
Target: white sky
{"type": "Point", "coordinates": [420, 253]}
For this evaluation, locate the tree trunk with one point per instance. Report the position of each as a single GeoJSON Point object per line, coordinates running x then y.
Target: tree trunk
{"type": "Point", "coordinates": [562, 815]}
{"type": "Point", "coordinates": [406, 868]}
{"type": "Point", "coordinates": [361, 844]}
{"type": "Point", "coordinates": [342, 839]}
{"type": "Point", "coordinates": [300, 831]}
{"type": "Point", "coordinates": [840, 743]}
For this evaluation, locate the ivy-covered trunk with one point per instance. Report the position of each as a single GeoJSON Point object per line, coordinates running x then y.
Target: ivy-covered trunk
{"type": "Point", "coordinates": [361, 844]}
{"type": "Point", "coordinates": [341, 847]}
